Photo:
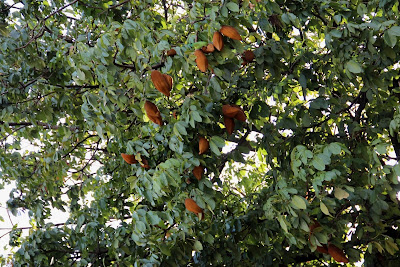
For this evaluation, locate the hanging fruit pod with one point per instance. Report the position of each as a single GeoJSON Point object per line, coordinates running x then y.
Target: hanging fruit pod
{"type": "Point", "coordinates": [230, 32]}
{"type": "Point", "coordinates": [201, 60]}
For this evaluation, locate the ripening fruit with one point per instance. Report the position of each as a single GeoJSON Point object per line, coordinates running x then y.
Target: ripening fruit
{"type": "Point", "coordinates": [240, 116]}
{"type": "Point", "coordinates": [248, 56]}
{"type": "Point", "coordinates": [233, 111]}
{"type": "Point", "coordinates": [169, 81]}
{"type": "Point", "coordinates": [201, 60]}
{"type": "Point", "coordinates": [153, 113]}
{"type": "Point", "coordinates": [229, 125]}
{"type": "Point", "coordinates": [203, 145]}
{"type": "Point", "coordinates": [313, 226]}
{"type": "Point", "coordinates": [218, 41]}
{"type": "Point", "coordinates": [162, 82]}
{"type": "Point", "coordinates": [230, 32]}
{"type": "Point", "coordinates": [208, 49]}
{"type": "Point", "coordinates": [192, 206]}
{"type": "Point", "coordinates": [323, 249]}
{"type": "Point", "coordinates": [130, 159]}
{"type": "Point", "coordinates": [198, 172]}
{"type": "Point", "coordinates": [337, 254]}
{"type": "Point", "coordinates": [171, 52]}
{"type": "Point", "coordinates": [145, 164]}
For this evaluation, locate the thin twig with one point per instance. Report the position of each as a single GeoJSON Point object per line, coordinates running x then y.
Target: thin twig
{"type": "Point", "coordinates": [61, 8]}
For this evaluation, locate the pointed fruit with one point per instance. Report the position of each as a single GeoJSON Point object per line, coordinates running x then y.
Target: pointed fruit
{"type": "Point", "coordinates": [229, 125]}
{"type": "Point", "coordinates": [153, 113]}
{"type": "Point", "coordinates": [233, 111]}
{"type": "Point", "coordinates": [201, 60]}
{"type": "Point", "coordinates": [323, 249]}
{"type": "Point", "coordinates": [130, 159]}
{"type": "Point", "coordinates": [203, 145]}
{"type": "Point", "coordinates": [145, 164]}
{"type": "Point", "coordinates": [218, 41]}
{"type": "Point", "coordinates": [230, 32]}
{"type": "Point", "coordinates": [248, 56]}
{"type": "Point", "coordinates": [192, 206]}
{"type": "Point", "coordinates": [171, 52]}
{"type": "Point", "coordinates": [198, 172]}
{"type": "Point", "coordinates": [337, 254]}
{"type": "Point", "coordinates": [208, 49]}
{"type": "Point", "coordinates": [161, 83]}
{"type": "Point", "coordinates": [169, 81]}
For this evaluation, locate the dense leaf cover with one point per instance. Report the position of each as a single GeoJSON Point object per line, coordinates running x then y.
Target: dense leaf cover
{"type": "Point", "coordinates": [319, 147]}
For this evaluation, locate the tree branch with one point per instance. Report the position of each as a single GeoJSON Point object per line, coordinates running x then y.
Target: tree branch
{"type": "Point", "coordinates": [77, 144]}
{"type": "Point", "coordinates": [58, 10]}
{"type": "Point", "coordinates": [396, 145]}
{"type": "Point", "coordinates": [226, 156]}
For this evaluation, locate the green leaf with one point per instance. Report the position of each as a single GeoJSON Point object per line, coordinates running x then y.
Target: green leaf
{"type": "Point", "coordinates": [165, 249]}
{"type": "Point", "coordinates": [353, 67]}
{"type": "Point", "coordinates": [303, 81]}
{"type": "Point", "coordinates": [335, 148]}
{"type": "Point", "coordinates": [318, 163]}
{"type": "Point", "coordinates": [140, 226]}
{"type": "Point", "coordinates": [218, 141]}
{"type": "Point", "coordinates": [214, 147]}
{"type": "Point", "coordinates": [197, 246]}
{"type": "Point", "coordinates": [299, 202]}
{"type": "Point", "coordinates": [232, 6]}
{"type": "Point", "coordinates": [180, 126]}
{"type": "Point", "coordinates": [282, 223]}
{"type": "Point", "coordinates": [390, 39]}
{"type": "Point", "coordinates": [340, 193]}
{"type": "Point", "coordinates": [196, 116]}
{"type": "Point", "coordinates": [199, 45]}
{"type": "Point", "coordinates": [395, 30]}
{"type": "Point", "coordinates": [324, 208]}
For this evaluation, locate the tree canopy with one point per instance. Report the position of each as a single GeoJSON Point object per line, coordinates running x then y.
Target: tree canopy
{"type": "Point", "coordinates": [175, 133]}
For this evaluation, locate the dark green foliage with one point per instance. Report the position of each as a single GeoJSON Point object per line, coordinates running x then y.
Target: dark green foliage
{"type": "Point", "coordinates": [321, 141]}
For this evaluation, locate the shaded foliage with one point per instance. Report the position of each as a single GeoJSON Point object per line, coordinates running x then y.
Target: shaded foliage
{"type": "Point", "coordinates": [320, 141]}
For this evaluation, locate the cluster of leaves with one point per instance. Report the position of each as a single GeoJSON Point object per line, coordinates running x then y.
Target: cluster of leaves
{"type": "Point", "coordinates": [322, 106]}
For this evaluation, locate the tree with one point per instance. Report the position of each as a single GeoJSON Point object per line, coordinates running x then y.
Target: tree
{"type": "Point", "coordinates": [312, 175]}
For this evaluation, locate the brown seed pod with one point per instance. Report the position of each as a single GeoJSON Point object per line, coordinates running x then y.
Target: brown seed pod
{"type": "Point", "coordinates": [203, 145]}
{"type": "Point", "coordinates": [145, 164]}
{"type": "Point", "coordinates": [161, 83]}
{"type": "Point", "coordinates": [151, 109]}
{"type": "Point", "coordinates": [229, 125]}
{"type": "Point", "coordinates": [171, 52]}
{"type": "Point", "coordinates": [233, 111]}
{"type": "Point", "coordinates": [248, 56]}
{"type": "Point", "coordinates": [323, 249]}
{"type": "Point", "coordinates": [201, 60]}
{"type": "Point", "coordinates": [229, 111]}
{"type": "Point", "coordinates": [240, 116]}
{"type": "Point", "coordinates": [337, 254]}
{"type": "Point", "coordinates": [130, 159]}
{"type": "Point", "coordinates": [218, 41]}
{"type": "Point", "coordinates": [153, 113]}
{"type": "Point", "coordinates": [169, 81]}
{"type": "Point", "coordinates": [313, 226]}
{"type": "Point", "coordinates": [174, 114]}
{"type": "Point", "coordinates": [156, 120]}
{"type": "Point", "coordinates": [198, 172]}
{"type": "Point", "coordinates": [208, 49]}
{"type": "Point", "coordinates": [230, 32]}
{"type": "Point", "coordinates": [192, 206]}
